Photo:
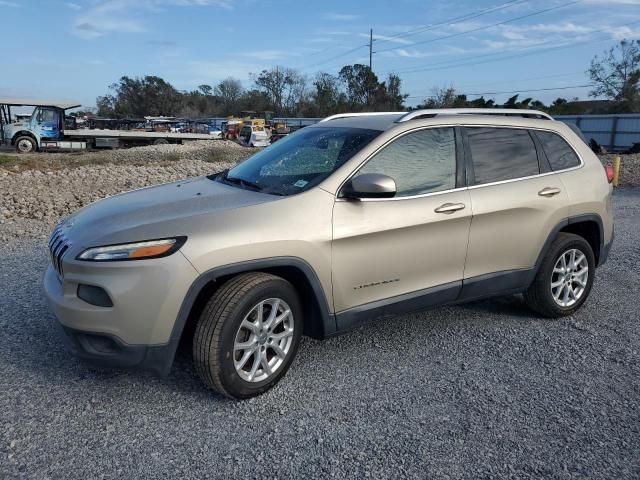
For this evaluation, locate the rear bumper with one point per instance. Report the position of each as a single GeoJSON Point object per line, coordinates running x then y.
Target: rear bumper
{"type": "Point", "coordinates": [606, 248]}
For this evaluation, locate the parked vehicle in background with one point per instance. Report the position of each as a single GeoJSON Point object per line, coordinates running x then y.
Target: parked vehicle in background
{"type": "Point", "coordinates": [49, 128]}
{"type": "Point", "coordinates": [215, 132]}
{"type": "Point", "coordinates": [356, 217]}
{"type": "Point", "coordinates": [254, 136]}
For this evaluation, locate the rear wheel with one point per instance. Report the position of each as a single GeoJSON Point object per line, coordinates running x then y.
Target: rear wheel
{"type": "Point", "coordinates": [25, 144]}
{"type": "Point", "coordinates": [564, 279]}
{"type": "Point", "coordinates": [161, 141]}
{"type": "Point", "coordinates": [248, 335]}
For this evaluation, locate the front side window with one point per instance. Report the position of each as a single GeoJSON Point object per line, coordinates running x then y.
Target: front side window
{"type": "Point", "coordinates": [299, 161]}
{"type": "Point", "coordinates": [558, 151]}
{"type": "Point", "coordinates": [420, 162]}
{"type": "Point", "coordinates": [501, 154]}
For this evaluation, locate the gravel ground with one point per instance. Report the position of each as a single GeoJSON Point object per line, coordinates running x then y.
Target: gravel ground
{"type": "Point", "coordinates": [484, 390]}
{"type": "Point", "coordinates": [41, 188]}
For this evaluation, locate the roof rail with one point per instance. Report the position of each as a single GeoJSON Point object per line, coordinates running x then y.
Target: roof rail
{"type": "Point", "coordinates": [365, 114]}
{"type": "Point", "coordinates": [511, 112]}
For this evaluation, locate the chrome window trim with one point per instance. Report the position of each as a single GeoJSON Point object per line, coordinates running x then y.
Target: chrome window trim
{"type": "Point", "coordinates": [468, 187]}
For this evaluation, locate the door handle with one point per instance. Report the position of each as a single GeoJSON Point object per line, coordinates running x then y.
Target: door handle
{"type": "Point", "coordinates": [449, 207]}
{"type": "Point", "coordinates": [549, 192]}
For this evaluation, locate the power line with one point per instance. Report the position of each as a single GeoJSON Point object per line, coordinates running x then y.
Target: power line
{"type": "Point", "coordinates": [416, 31]}
{"type": "Point", "coordinates": [538, 12]}
{"type": "Point", "coordinates": [513, 91]}
{"type": "Point", "coordinates": [467, 16]}
{"type": "Point", "coordinates": [334, 57]}
{"type": "Point", "coordinates": [458, 63]}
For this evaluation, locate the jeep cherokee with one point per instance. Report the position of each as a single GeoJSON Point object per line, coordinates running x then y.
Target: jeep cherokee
{"type": "Point", "coordinates": [355, 217]}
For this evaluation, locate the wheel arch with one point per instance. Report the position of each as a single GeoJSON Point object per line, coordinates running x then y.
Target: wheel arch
{"type": "Point", "coordinates": [588, 226]}
{"type": "Point", "coordinates": [591, 229]}
{"type": "Point", "coordinates": [23, 133]}
{"type": "Point", "coordinates": [319, 321]}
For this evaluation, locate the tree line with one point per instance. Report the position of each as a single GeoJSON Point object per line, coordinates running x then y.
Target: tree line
{"type": "Point", "coordinates": [282, 90]}
{"type": "Point", "coordinates": [615, 77]}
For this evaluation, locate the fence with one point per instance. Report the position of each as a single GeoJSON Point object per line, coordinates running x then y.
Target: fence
{"type": "Point", "coordinates": [614, 132]}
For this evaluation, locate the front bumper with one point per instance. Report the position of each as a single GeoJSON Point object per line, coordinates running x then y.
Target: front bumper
{"type": "Point", "coordinates": [138, 330]}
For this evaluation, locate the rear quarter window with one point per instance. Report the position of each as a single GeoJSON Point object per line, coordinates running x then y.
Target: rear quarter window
{"type": "Point", "coordinates": [558, 151]}
{"type": "Point", "coordinates": [501, 154]}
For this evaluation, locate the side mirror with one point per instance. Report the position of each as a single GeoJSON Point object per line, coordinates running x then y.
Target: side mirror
{"type": "Point", "coordinates": [369, 185]}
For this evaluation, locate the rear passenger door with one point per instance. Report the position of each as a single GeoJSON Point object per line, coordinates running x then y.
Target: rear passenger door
{"type": "Point", "coordinates": [516, 202]}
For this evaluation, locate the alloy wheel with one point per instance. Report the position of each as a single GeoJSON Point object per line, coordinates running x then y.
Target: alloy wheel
{"type": "Point", "coordinates": [569, 277]}
{"type": "Point", "coordinates": [263, 340]}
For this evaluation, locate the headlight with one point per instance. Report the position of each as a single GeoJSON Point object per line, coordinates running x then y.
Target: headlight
{"type": "Point", "coordinates": [133, 251]}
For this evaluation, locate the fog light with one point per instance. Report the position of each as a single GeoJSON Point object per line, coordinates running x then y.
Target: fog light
{"type": "Point", "coordinates": [94, 295]}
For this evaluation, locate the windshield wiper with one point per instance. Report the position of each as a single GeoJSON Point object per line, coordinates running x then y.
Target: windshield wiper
{"type": "Point", "coordinates": [242, 182]}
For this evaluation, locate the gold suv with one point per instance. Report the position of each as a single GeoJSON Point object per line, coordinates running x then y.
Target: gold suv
{"type": "Point", "coordinates": [358, 216]}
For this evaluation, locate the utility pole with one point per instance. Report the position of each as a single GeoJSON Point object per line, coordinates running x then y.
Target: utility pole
{"type": "Point", "coordinates": [371, 49]}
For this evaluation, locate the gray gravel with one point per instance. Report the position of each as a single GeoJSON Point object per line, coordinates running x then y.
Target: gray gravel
{"type": "Point", "coordinates": [484, 390]}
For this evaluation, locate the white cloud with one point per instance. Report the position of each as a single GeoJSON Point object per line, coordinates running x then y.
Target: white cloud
{"type": "Point", "coordinates": [620, 33]}
{"type": "Point", "coordinates": [340, 17]}
{"type": "Point", "coordinates": [5, 3]}
{"type": "Point", "coordinates": [401, 52]}
{"type": "Point", "coordinates": [73, 6]}
{"type": "Point", "coordinates": [122, 16]}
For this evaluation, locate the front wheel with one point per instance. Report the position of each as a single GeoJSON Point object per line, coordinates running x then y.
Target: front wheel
{"type": "Point", "coordinates": [248, 335]}
{"type": "Point", "coordinates": [25, 144]}
{"type": "Point", "coordinates": [564, 279]}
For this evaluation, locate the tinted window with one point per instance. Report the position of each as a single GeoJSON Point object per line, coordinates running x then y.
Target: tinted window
{"type": "Point", "coordinates": [559, 153]}
{"type": "Point", "coordinates": [502, 154]}
{"type": "Point", "coordinates": [420, 162]}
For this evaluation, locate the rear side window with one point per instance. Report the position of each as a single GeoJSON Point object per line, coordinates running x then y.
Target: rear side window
{"type": "Point", "coordinates": [419, 162]}
{"type": "Point", "coordinates": [502, 154]}
{"type": "Point", "coordinates": [558, 151]}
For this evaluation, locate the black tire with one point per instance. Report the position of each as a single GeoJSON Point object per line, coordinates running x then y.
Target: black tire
{"type": "Point", "coordinates": [539, 297]}
{"type": "Point", "coordinates": [25, 144]}
{"type": "Point", "coordinates": [215, 334]}
{"type": "Point", "coordinates": [161, 141]}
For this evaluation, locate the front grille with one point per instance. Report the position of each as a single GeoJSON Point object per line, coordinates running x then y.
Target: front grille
{"type": "Point", "coordinates": [58, 246]}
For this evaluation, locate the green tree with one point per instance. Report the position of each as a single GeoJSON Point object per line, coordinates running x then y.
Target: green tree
{"type": "Point", "coordinates": [616, 75]}
{"type": "Point", "coordinates": [229, 91]}
{"type": "Point", "coordinates": [286, 88]}
{"type": "Point", "coordinates": [137, 97]}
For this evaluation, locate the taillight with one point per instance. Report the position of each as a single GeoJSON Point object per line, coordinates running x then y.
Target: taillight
{"type": "Point", "coordinates": [609, 170]}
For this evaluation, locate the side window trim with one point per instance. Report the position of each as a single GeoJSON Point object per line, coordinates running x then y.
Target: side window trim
{"type": "Point", "coordinates": [470, 176]}
{"type": "Point", "coordinates": [569, 144]}
{"type": "Point", "coordinates": [543, 161]}
{"type": "Point", "coordinates": [460, 158]}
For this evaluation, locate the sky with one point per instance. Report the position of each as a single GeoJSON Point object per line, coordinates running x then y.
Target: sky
{"type": "Point", "coordinates": [74, 50]}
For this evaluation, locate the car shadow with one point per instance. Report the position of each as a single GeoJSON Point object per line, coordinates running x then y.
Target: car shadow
{"type": "Point", "coordinates": [44, 354]}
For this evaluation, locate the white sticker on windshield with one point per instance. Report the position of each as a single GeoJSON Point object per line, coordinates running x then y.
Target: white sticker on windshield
{"type": "Point", "coordinates": [300, 183]}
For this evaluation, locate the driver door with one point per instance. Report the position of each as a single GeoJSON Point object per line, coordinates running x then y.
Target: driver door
{"type": "Point", "coordinates": [47, 123]}
{"type": "Point", "coordinates": [407, 251]}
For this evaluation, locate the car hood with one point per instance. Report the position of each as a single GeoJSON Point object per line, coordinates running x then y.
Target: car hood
{"type": "Point", "coordinates": [167, 210]}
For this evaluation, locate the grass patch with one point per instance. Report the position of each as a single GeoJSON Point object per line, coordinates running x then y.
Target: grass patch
{"type": "Point", "coordinates": [5, 159]}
